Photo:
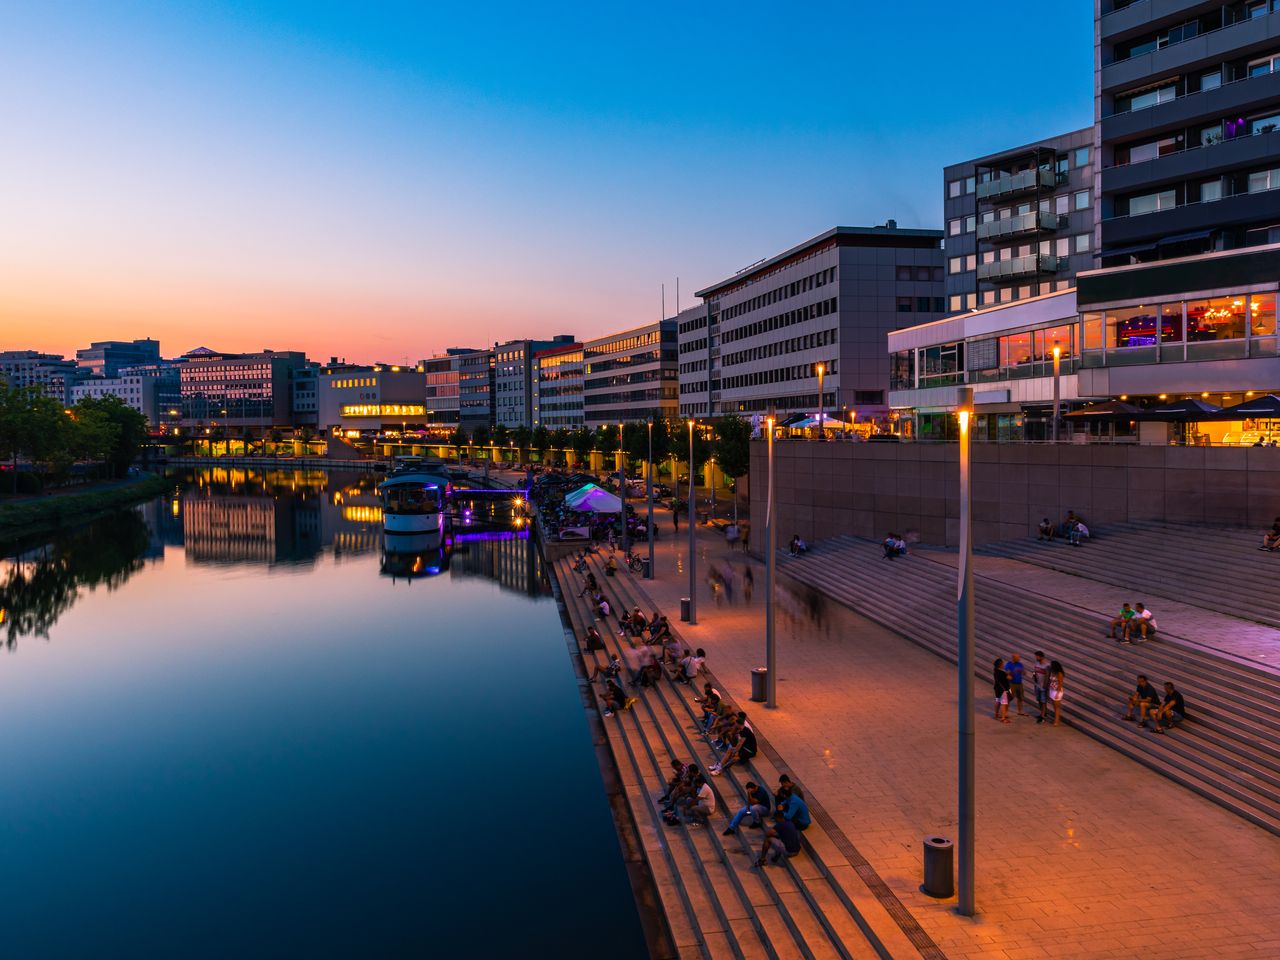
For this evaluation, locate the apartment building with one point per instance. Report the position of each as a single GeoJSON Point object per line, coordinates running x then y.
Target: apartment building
{"type": "Point", "coordinates": [827, 303]}
{"type": "Point", "coordinates": [154, 390]}
{"type": "Point", "coordinates": [52, 375]}
{"type": "Point", "coordinates": [513, 376]}
{"type": "Point", "coordinates": [1020, 222]}
{"type": "Point", "coordinates": [557, 387]}
{"type": "Point", "coordinates": [631, 376]}
{"type": "Point", "coordinates": [442, 374]}
{"type": "Point", "coordinates": [1188, 118]}
{"type": "Point", "coordinates": [475, 389]}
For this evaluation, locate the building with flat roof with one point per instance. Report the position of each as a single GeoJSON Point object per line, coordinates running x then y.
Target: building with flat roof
{"type": "Point", "coordinates": [475, 389]}
{"type": "Point", "coordinates": [442, 374]}
{"type": "Point", "coordinates": [513, 372]}
{"type": "Point", "coordinates": [1187, 101]}
{"type": "Point", "coordinates": [557, 387]}
{"type": "Point", "coordinates": [631, 375]}
{"type": "Point", "coordinates": [52, 375]}
{"type": "Point", "coordinates": [242, 393]}
{"type": "Point", "coordinates": [153, 390]}
{"type": "Point", "coordinates": [829, 302]}
{"type": "Point", "coordinates": [365, 401]}
{"type": "Point", "coordinates": [1019, 222]}
{"type": "Point", "coordinates": [107, 358]}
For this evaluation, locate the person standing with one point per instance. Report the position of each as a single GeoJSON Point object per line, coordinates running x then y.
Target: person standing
{"type": "Point", "coordinates": [1040, 674]}
{"type": "Point", "coordinates": [1014, 668]}
{"type": "Point", "coordinates": [748, 583]}
{"type": "Point", "coordinates": [1001, 684]}
{"type": "Point", "coordinates": [1057, 689]}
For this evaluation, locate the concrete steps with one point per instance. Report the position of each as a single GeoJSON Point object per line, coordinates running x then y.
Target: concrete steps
{"type": "Point", "coordinates": [1218, 569]}
{"type": "Point", "coordinates": [730, 907]}
{"type": "Point", "coordinates": [1229, 752]}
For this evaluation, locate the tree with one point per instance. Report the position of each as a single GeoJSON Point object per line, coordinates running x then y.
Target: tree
{"type": "Point", "coordinates": [480, 436]}
{"type": "Point", "coordinates": [501, 435]}
{"type": "Point", "coordinates": [130, 430]}
{"type": "Point", "coordinates": [521, 437]}
{"type": "Point", "coordinates": [607, 439]}
{"type": "Point", "coordinates": [733, 451]}
{"type": "Point", "coordinates": [458, 440]}
{"type": "Point", "coordinates": [540, 440]}
{"type": "Point", "coordinates": [583, 442]}
{"type": "Point", "coordinates": [561, 438]}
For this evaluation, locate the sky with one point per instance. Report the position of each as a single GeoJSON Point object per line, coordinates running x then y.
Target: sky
{"type": "Point", "coordinates": [381, 181]}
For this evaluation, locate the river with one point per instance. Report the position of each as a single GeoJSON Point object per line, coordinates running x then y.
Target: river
{"type": "Point", "coordinates": [228, 727]}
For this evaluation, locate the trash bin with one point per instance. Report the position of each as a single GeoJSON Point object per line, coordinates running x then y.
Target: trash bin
{"type": "Point", "coordinates": [759, 684]}
{"type": "Point", "coordinates": [939, 868]}
{"type": "Point", "coordinates": [644, 568]}
{"type": "Point", "coordinates": [684, 609]}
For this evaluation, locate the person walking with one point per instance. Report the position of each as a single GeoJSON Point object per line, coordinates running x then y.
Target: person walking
{"type": "Point", "coordinates": [1057, 689]}
{"type": "Point", "coordinates": [675, 515]}
{"type": "Point", "coordinates": [748, 583]}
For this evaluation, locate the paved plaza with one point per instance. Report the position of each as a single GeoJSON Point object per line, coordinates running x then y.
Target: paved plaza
{"type": "Point", "coordinates": [1080, 851]}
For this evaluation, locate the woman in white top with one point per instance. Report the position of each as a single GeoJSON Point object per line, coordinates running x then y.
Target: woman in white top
{"type": "Point", "coordinates": [1057, 687]}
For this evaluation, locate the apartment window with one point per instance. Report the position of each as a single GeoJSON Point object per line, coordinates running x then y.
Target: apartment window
{"type": "Point", "coordinates": [924, 274]}
{"type": "Point", "coordinates": [1082, 200]}
{"type": "Point", "coordinates": [904, 273]}
{"type": "Point", "coordinates": [953, 189]}
{"type": "Point", "coordinates": [904, 304]}
{"type": "Point", "coordinates": [1211, 190]}
{"type": "Point", "coordinates": [1151, 202]}
{"type": "Point", "coordinates": [1211, 80]}
{"type": "Point", "coordinates": [1083, 242]}
{"type": "Point", "coordinates": [1149, 97]}
{"type": "Point", "coordinates": [1264, 180]}
{"type": "Point", "coordinates": [988, 297]}
{"type": "Point", "coordinates": [1082, 156]}
{"type": "Point", "coordinates": [969, 184]}
{"type": "Point", "coordinates": [955, 302]}
{"type": "Point", "coordinates": [1264, 65]}
{"type": "Point", "coordinates": [953, 228]}
{"type": "Point", "coordinates": [971, 262]}
{"type": "Point", "coordinates": [1140, 152]}
{"type": "Point", "coordinates": [1063, 245]}
{"type": "Point", "coordinates": [1061, 205]}
{"type": "Point", "coordinates": [1062, 166]}
{"type": "Point", "coordinates": [955, 264]}
{"type": "Point", "coordinates": [1211, 135]}
{"type": "Point", "coordinates": [970, 223]}
{"type": "Point", "coordinates": [971, 300]}
{"type": "Point", "coordinates": [1264, 124]}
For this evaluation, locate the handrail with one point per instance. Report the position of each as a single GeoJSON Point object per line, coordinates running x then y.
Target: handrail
{"type": "Point", "coordinates": [1194, 93]}
{"type": "Point", "coordinates": [1207, 33]}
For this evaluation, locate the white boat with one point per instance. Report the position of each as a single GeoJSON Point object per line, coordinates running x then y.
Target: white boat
{"type": "Point", "coordinates": [413, 504]}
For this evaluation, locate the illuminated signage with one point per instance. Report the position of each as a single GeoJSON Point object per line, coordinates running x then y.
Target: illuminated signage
{"type": "Point", "coordinates": [391, 411]}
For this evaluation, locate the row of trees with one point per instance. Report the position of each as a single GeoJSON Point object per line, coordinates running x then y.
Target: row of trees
{"type": "Point", "coordinates": [37, 430]}
{"type": "Point", "coordinates": [728, 443]}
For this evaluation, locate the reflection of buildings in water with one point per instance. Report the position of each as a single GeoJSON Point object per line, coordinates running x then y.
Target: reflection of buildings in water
{"type": "Point", "coordinates": [511, 559]}
{"type": "Point", "coordinates": [164, 519]}
{"type": "Point", "coordinates": [229, 529]}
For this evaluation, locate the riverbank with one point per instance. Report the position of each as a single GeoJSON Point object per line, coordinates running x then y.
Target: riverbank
{"type": "Point", "coordinates": [28, 516]}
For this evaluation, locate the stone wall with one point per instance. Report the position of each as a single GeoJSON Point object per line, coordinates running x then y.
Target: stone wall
{"type": "Point", "coordinates": [868, 489]}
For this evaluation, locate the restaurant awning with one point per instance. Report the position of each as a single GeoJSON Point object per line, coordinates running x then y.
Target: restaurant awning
{"type": "Point", "coordinates": [1189, 410]}
{"type": "Point", "coordinates": [1255, 408]}
{"type": "Point", "coordinates": [1111, 410]}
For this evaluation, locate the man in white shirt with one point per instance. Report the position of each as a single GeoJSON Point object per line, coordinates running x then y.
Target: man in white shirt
{"type": "Point", "coordinates": [1143, 622]}
{"type": "Point", "coordinates": [702, 804]}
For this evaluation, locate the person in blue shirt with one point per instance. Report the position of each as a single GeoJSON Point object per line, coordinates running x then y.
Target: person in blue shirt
{"type": "Point", "coordinates": [1014, 669]}
{"type": "Point", "coordinates": [796, 810]}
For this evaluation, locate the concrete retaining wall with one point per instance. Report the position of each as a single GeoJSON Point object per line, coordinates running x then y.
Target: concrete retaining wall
{"type": "Point", "coordinates": [868, 489]}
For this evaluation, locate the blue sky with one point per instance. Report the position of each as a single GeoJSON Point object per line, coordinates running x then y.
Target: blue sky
{"type": "Point", "coordinates": [382, 181]}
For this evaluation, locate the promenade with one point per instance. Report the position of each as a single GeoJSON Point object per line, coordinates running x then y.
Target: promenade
{"type": "Point", "coordinates": [1081, 851]}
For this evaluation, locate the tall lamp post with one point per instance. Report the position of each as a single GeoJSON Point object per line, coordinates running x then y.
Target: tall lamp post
{"type": "Point", "coordinates": [693, 545]}
{"type": "Point", "coordinates": [648, 473]}
{"type": "Point", "coordinates": [1057, 385]}
{"type": "Point", "coordinates": [622, 488]}
{"type": "Point", "coordinates": [964, 648]}
{"type": "Point", "coordinates": [771, 557]}
{"type": "Point", "coordinates": [822, 404]}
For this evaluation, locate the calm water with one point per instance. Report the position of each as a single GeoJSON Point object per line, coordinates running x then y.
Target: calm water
{"type": "Point", "coordinates": [227, 729]}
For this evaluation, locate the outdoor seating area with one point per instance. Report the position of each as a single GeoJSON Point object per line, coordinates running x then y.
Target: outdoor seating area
{"type": "Point", "coordinates": [574, 507]}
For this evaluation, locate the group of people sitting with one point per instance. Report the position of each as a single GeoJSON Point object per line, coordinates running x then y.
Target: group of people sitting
{"type": "Point", "coordinates": [1133, 622]}
{"type": "Point", "coordinates": [798, 547]}
{"type": "Point", "coordinates": [894, 546]}
{"type": "Point", "coordinates": [1072, 529]}
{"type": "Point", "coordinates": [1145, 699]}
{"type": "Point", "coordinates": [1271, 538]}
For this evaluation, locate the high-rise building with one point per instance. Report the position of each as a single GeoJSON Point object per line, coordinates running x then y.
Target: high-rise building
{"type": "Point", "coordinates": [513, 365]}
{"type": "Point", "coordinates": [1019, 222]}
{"type": "Point", "coordinates": [631, 375]}
{"type": "Point", "coordinates": [557, 387]}
{"type": "Point", "coordinates": [829, 302]}
{"type": "Point", "coordinates": [475, 390]}
{"type": "Point", "coordinates": [239, 392]}
{"type": "Point", "coordinates": [1187, 101]}
{"type": "Point", "coordinates": [106, 358]}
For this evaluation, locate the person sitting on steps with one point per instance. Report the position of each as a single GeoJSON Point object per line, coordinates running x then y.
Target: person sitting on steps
{"type": "Point", "coordinates": [1122, 621]}
{"type": "Point", "coordinates": [798, 547]}
{"type": "Point", "coordinates": [1271, 539]}
{"type": "Point", "coordinates": [1172, 710]}
{"type": "Point", "coordinates": [755, 807]}
{"type": "Point", "coordinates": [1045, 531]}
{"type": "Point", "coordinates": [781, 839]}
{"type": "Point", "coordinates": [1144, 698]}
{"type": "Point", "coordinates": [1143, 623]}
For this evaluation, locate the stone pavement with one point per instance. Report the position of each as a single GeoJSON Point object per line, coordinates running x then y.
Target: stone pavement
{"type": "Point", "coordinates": [1081, 853]}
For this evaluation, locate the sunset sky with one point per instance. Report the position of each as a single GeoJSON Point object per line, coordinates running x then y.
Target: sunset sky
{"type": "Point", "coordinates": [380, 181]}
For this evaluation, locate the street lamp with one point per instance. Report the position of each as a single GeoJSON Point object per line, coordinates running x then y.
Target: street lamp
{"type": "Point", "coordinates": [964, 649]}
{"type": "Point", "coordinates": [1057, 388]}
{"type": "Point", "coordinates": [622, 488]}
{"type": "Point", "coordinates": [771, 558]}
{"type": "Point", "coordinates": [648, 474]}
{"type": "Point", "coordinates": [822, 403]}
{"type": "Point", "coordinates": [693, 546]}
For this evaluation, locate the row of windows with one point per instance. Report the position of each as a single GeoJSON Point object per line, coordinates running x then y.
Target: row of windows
{"type": "Point", "coordinates": [639, 376]}
{"type": "Point", "coordinates": [1215, 19]}
{"type": "Point", "coordinates": [1203, 135]}
{"type": "Point", "coordinates": [786, 319]}
{"type": "Point", "coordinates": [694, 366]}
{"type": "Point", "coordinates": [920, 304]}
{"type": "Point", "coordinates": [956, 188]}
{"type": "Point", "coordinates": [802, 371]}
{"type": "Point", "coordinates": [1061, 205]}
{"type": "Point", "coordinates": [697, 323]}
{"type": "Point", "coordinates": [809, 341]}
{"type": "Point", "coordinates": [970, 301]}
{"type": "Point", "coordinates": [692, 346]}
{"type": "Point", "coordinates": [596, 400]}
{"type": "Point", "coordinates": [778, 294]}
{"type": "Point", "coordinates": [1202, 191]}
{"type": "Point", "coordinates": [627, 344]}
{"type": "Point", "coordinates": [920, 274]}
{"type": "Point", "coordinates": [787, 264]}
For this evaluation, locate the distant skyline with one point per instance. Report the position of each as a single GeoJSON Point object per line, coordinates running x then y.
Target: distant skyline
{"type": "Point", "coordinates": [382, 183]}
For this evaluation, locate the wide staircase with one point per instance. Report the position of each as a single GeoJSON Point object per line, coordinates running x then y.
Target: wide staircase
{"type": "Point", "coordinates": [826, 902]}
{"type": "Point", "coordinates": [1217, 568]}
{"type": "Point", "coordinates": [1228, 752]}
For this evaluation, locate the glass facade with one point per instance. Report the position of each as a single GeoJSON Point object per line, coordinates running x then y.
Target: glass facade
{"type": "Point", "coordinates": [1217, 328]}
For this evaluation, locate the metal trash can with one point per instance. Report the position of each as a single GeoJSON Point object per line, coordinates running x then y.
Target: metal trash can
{"type": "Point", "coordinates": [759, 684]}
{"type": "Point", "coordinates": [644, 568]}
{"type": "Point", "coordinates": [684, 609]}
{"type": "Point", "coordinates": [939, 868]}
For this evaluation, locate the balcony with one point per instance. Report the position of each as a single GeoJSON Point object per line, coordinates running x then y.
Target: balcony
{"type": "Point", "coordinates": [1013, 184]}
{"type": "Point", "coordinates": [1027, 266]}
{"type": "Point", "coordinates": [1023, 223]}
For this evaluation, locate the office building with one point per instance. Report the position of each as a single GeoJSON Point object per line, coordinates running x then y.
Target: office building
{"type": "Point", "coordinates": [475, 390]}
{"type": "Point", "coordinates": [442, 388]}
{"type": "Point", "coordinates": [52, 375]}
{"type": "Point", "coordinates": [1020, 222]}
{"type": "Point", "coordinates": [513, 368]}
{"type": "Point", "coordinates": [831, 302]}
{"type": "Point", "coordinates": [241, 393]}
{"type": "Point", "coordinates": [154, 390]}
{"type": "Point", "coordinates": [557, 387]}
{"type": "Point", "coordinates": [365, 401]}
{"type": "Point", "coordinates": [304, 401]}
{"type": "Point", "coordinates": [1188, 112]}
{"type": "Point", "coordinates": [631, 375]}
{"type": "Point", "coordinates": [107, 358]}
